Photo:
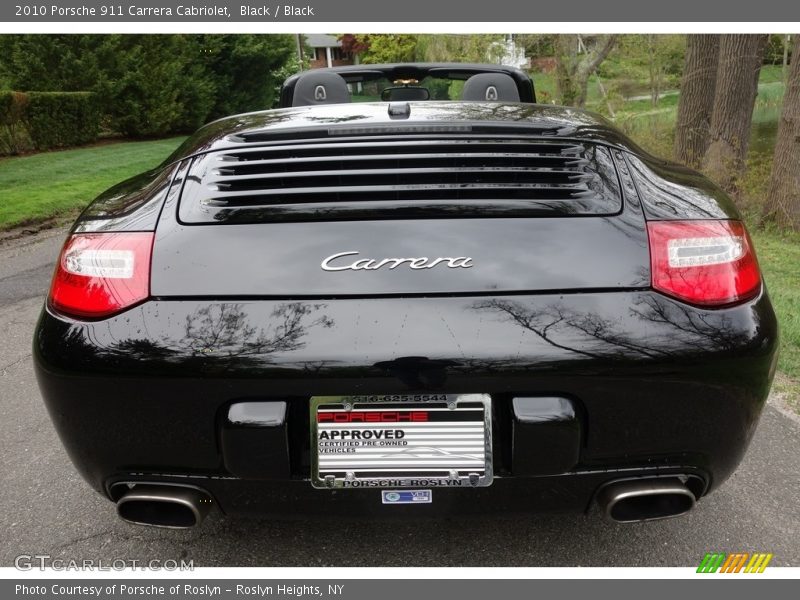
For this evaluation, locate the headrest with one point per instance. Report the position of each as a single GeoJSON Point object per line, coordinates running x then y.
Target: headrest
{"type": "Point", "coordinates": [490, 87]}
{"type": "Point", "coordinates": [320, 87]}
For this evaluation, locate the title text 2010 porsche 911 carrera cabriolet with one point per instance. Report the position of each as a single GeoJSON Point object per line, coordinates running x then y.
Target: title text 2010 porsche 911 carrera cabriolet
{"type": "Point", "coordinates": [411, 290]}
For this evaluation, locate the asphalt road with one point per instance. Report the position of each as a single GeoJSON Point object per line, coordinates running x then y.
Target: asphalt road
{"type": "Point", "coordinates": [45, 507]}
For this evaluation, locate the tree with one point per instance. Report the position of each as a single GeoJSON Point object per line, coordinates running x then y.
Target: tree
{"type": "Point", "coordinates": [787, 39]}
{"type": "Point", "coordinates": [573, 68]}
{"type": "Point", "coordinates": [388, 48]}
{"type": "Point", "coordinates": [52, 63]}
{"type": "Point", "coordinates": [353, 44]}
{"type": "Point", "coordinates": [475, 48]}
{"type": "Point", "coordinates": [663, 56]}
{"type": "Point", "coordinates": [246, 70]}
{"type": "Point", "coordinates": [156, 84]}
{"type": "Point", "coordinates": [696, 100]}
{"type": "Point", "coordinates": [782, 204]}
{"type": "Point", "coordinates": [740, 58]}
{"type": "Point", "coordinates": [537, 45]}
{"type": "Point", "coordinates": [153, 85]}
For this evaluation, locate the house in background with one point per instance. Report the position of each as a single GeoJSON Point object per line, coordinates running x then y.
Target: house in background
{"type": "Point", "coordinates": [326, 51]}
{"type": "Point", "coordinates": [509, 53]}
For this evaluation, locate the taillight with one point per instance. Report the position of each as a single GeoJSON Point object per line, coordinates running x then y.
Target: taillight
{"type": "Point", "coordinates": [99, 274]}
{"type": "Point", "coordinates": [708, 263]}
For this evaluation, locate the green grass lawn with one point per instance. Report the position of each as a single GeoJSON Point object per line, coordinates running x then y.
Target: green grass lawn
{"type": "Point", "coordinates": [770, 94]}
{"type": "Point", "coordinates": [771, 74]}
{"type": "Point", "coordinates": [41, 186]}
{"type": "Point", "coordinates": [779, 257]}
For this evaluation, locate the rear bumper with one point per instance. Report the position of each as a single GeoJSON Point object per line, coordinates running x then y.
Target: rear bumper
{"type": "Point", "coordinates": [568, 494]}
{"type": "Point", "coordinates": [657, 388]}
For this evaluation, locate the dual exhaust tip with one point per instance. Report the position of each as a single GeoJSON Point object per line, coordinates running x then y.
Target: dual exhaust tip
{"type": "Point", "coordinates": [646, 500]}
{"type": "Point", "coordinates": [182, 507]}
{"type": "Point", "coordinates": [170, 506]}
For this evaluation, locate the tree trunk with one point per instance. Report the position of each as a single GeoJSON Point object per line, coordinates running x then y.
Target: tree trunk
{"type": "Point", "coordinates": [696, 99]}
{"type": "Point", "coordinates": [604, 93]}
{"type": "Point", "coordinates": [589, 65]}
{"type": "Point", "coordinates": [655, 70]}
{"type": "Point", "coordinates": [573, 71]}
{"type": "Point", "coordinates": [740, 58]}
{"type": "Point", "coordinates": [783, 196]}
{"type": "Point", "coordinates": [566, 47]}
{"type": "Point", "coordinates": [785, 68]}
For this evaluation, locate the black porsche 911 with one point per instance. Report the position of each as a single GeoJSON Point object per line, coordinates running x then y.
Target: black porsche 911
{"type": "Point", "coordinates": [411, 290]}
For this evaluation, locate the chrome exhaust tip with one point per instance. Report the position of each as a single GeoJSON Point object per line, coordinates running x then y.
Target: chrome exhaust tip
{"type": "Point", "coordinates": [173, 507]}
{"type": "Point", "coordinates": [645, 500]}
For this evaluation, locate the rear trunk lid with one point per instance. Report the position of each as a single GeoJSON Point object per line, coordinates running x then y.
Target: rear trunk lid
{"type": "Point", "coordinates": [401, 213]}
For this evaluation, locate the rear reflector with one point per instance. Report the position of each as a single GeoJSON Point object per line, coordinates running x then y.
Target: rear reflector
{"type": "Point", "coordinates": [707, 263]}
{"type": "Point", "coordinates": [100, 274]}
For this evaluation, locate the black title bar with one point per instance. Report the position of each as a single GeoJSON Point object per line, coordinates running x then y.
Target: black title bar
{"type": "Point", "coordinates": [407, 11]}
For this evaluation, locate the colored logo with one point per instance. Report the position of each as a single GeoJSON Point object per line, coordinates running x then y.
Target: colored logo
{"type": "Point", "coordinates": [406, 497]}
{"type": "Point", "coordinates": [738, 562]}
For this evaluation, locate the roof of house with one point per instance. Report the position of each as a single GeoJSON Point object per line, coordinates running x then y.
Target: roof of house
{"type": "Point", "coordinates": [322, 40]}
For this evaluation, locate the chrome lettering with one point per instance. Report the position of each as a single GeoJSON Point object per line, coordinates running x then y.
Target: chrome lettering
{"type": "Point", "coordinates": [461, 261]}
{"type": "Point", "coordinates": [326, 266]}
{"type": "Point", "coordinates": [371, 264]}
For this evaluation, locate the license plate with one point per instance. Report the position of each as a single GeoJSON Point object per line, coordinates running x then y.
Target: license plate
{"type": "Point", "coordinates": [396, 441]}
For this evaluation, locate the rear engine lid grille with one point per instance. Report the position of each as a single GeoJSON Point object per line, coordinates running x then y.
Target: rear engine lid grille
{"type": "Point", "coordinates": [405, 176]}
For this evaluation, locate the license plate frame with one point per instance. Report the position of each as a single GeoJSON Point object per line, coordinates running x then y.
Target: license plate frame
{"type": "Point", "coordinates": [461, 422]}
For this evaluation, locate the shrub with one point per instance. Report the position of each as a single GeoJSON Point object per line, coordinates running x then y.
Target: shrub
{"type": "Point", "coordinates": [773, 54]}
{"type": "Point", "coordinates": [61, 119]}
{"type": "Point", "coordinates": [627, 88]}
{"type": "Point", "coordinates": [8, 107]}
{"type": "Point", "coordinates": [247, 70]}
{"type": "Point", "coordinates": [152, 85]}
{"type": "Point", "coordinates": [14, 136]}
{"type": "Point", "coordinates": [44, 120]}
{"type": "Point", "coordinates": [439, 89]}
{"type": "Point", "coordinates": [156, 85]}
